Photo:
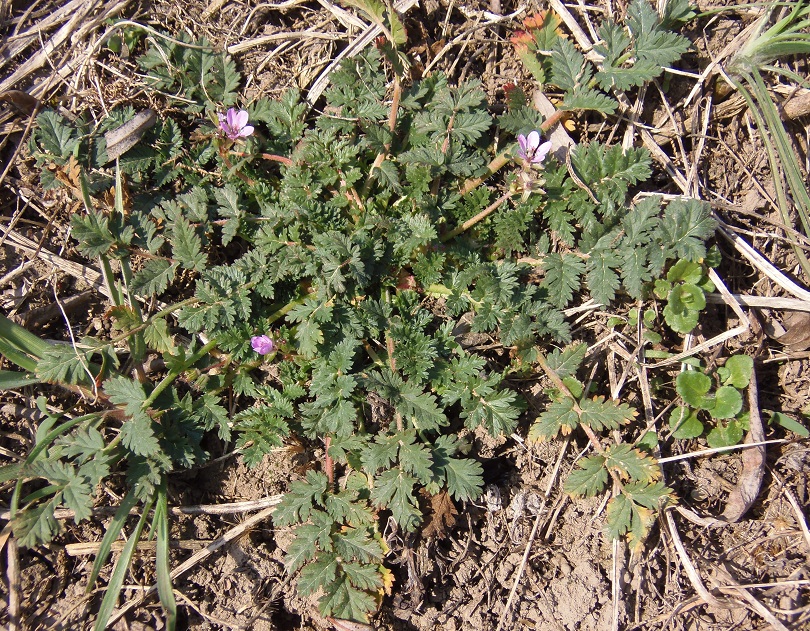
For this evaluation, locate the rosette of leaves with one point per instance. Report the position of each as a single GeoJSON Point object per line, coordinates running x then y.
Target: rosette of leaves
{"type": "Point", "coordinates": [720, 407]}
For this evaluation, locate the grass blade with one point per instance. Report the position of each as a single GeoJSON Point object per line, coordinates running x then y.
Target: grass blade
{"type": "Point", "coordinates": [164, 580]}
{"type": "Point", "coordinates": [120, 570]}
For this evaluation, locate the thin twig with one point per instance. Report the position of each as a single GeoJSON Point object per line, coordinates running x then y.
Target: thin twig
{"type": "Point", "coordinates": [689, 567]}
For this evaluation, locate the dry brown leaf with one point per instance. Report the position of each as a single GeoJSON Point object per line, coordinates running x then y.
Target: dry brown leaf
{"type": "Point", "coordinates": [442, 516]}
{"type": "Point", "coordinates": [21, 101]}
{"type": "Point", "coordinates": [797, 331]}
{"type": "Point", "coordinates": [753, 459]}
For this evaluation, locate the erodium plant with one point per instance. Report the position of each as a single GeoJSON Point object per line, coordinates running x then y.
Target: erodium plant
{"type": "Point", "coordinates": [317, 272]}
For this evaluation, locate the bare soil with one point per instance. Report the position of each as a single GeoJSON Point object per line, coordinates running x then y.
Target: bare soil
{"type": "Point", "coordinates": [526, 556]}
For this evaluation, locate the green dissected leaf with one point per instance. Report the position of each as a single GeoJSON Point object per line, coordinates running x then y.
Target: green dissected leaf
{"type": "Point", "coordinates": [418, 407]}
{"type": "Point", "coordinates": [727, 402]}
{"type": "Point", "coordinates": [631, 464]}
{"type": "Point", "coordinates": [394, 490]}
{"type": "Point", "coordinates": [567, 361]}
{"type": "Point", "coordinates": [381, 453]}
{"type": "Point", "coordinates": [363, 576]}
{"type": "Point", "coordinates": [603, 281]}
{"type": "Point", "coordinates": [261, 429]}
{"type": "Point", "coordinates": [36, 525]}
{"type": "Point", "coordinates": [298, 503]}
{"type": "Point", "coordinates": [652, 43]}
{"type": "Point", "coordinates": [725, 434]}
{"type": "Point", "coordinates": [310, 540]}
{"type": "Point", "coordinates": [599, 414]}
{"type": "Point", "coordinates": [465, 478]}
{"type": "Point", "coordinates": [632, 511]}
{"type": "Point", "coordinates": [737, 371]}
{"type": "Point", "coordinates": [587, 98]}
{"type": "Point", "coordinates": [156, 335]}
{"type": "Point", "coordinates": [497, 410]}
{"type": "Point", "coordinates": [138, 435]}
{"type": "Point", "coordinates": [693, 386]}
{"type": "Point", "coordinates": [573, 74]}
{"type": "Point", "coordinates": [344, 601]}
{"type": "Point", "coordinates": [589, 479]}
{"type": "Point", "coordinates": [210, 414]}
{"type": "Point", "coordinates": [562, 277]}
{"type": "Point", "coordinates": [686, 226]}
{"type": "Point", "coordinates": [316, 575]}
{"type": "Point", "coordinates": [187, 245]}
{"type": "Point", "coordinates": [93, 233]}
{"type": "Point", "coordinates": [346, 507]}
{"type": "Point", "coordinates": [356, 543]}
{"type": "Point", "coordinates": [684, 423]}
{"type": "Point", "coordinates": [56, 136]}
{"type": "Point", "coordinates": [154, 277]}
{"type": "Point", "coordinates": [63, 363]}
{"type": "Point", "coordinates": [415, 458]}
{"type": "Point", "coordinates": [560, 416]}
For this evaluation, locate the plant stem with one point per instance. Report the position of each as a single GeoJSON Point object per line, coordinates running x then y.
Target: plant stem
{"type": "Point", "coordinates": [392, 127]}
{"type": "Point", "coordinates": [478, 218]}
{"type": "Point", "coordinates": [173, 374]}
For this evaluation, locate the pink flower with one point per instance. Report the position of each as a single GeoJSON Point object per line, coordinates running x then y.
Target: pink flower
{"type": "Point", "coordinates": [531, 150]}
{"type": "Point", "coordinates": [262, 344]}
{"type": "Point", "coordinates": [234, 124]}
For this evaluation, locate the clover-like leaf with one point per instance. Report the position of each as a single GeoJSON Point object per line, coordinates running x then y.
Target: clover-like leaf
{"type": "Point", "coordinates": [685, 271]}
{"type": "Point", "coordinates": [681, 322]}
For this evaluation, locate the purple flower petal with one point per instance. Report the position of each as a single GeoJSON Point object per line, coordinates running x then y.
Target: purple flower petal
{"type": "Point", "coordinates": [240, 119]}
{"type": "Point", "coordinates": [234, 124]}
{"type": "Point", "coordinates": [533, 141]}
{"type": "Point", "coordinates": [542, 152]}
{"type": "Point", "coordinates": [262, 344]}
{"type": "Point", "coordinates": [523, 146]}
{"type": "Point", "coordinates": [531, 149]}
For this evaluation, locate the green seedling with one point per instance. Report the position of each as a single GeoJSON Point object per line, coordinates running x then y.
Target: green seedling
{"type": "Point", "coordinates": [722, 405]}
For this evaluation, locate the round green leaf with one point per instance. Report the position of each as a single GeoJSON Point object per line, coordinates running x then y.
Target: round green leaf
{"type": "Point", "coordinates": [648, 442]}
{"type": "Point", "coordinates": [684, 423]}
{"type": "Point", "coordinates": [727, 402]}
{"type": "Point", "coordinates": [725, 435]}
{"type": "Point", "coordinates": [693, 386]}
{"type": "Point", "coordinates": [681, 322]}
{"type": "Point", "coordinates": [686, 271]}
{"type": "Point", "coordinates": [740, 368]}
{"type": "Point", "coordinates": [662, 288]}
{"type": "Point", "coordinates": [687, 297]}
